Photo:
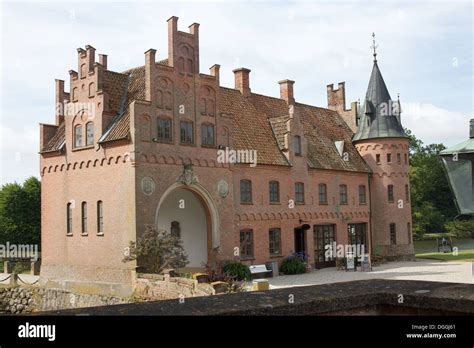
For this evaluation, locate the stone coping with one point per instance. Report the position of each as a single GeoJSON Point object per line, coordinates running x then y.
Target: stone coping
{"type": "Point", "coordinates": [308, 300]}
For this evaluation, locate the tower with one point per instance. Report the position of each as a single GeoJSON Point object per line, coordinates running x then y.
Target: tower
{"type": "Point", "coordinates": [382, 142]}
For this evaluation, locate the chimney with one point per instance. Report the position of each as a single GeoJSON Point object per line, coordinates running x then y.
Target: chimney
{"type": "Point", "coordinates": [214, 70]}
{"type": "Point", "coordinates": [149, 68]}
{"type": "Point", "coordinates": [60, 97]}
{"type": "Point", "coordinates": [103, 60]}
{"type": "Point", "coordinates": [242, 83]}
{"type": "Point", "coordinates": [286, 91]}
{"type": "Point", "coordinates": [471, 130]}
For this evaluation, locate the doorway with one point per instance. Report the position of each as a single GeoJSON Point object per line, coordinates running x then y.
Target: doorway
{"type": "Point", "coordinates": [300, 240]}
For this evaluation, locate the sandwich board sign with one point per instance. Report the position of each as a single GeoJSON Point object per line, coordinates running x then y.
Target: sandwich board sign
{"type": "Point", "coordinates": [365, 265]}
{"type": "Point", "coordinates": [350, 262]}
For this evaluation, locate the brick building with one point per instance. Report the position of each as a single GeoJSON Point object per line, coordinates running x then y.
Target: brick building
{"type": "Point", "coordinates": [141, 147]}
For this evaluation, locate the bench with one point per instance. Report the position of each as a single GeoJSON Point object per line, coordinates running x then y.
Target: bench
{"type": "Point", "coordinates": [260, 271]}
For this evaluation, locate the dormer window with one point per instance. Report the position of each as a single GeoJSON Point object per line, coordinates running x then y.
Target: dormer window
{"type": "Point", "coordinates": [297, 145]}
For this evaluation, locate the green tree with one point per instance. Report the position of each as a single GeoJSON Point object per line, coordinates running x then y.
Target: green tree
{"type": "Point", "coordinates": [20, 212]}
{"type": "Point", "coordinates": [431, 198]}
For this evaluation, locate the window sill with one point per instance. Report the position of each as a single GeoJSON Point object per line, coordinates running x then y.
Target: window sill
{"type": "Point", "coordinates": [362, 203]}
{"type": "Point", "coordinates": [84, 234]}
{"type": "Point", "coordinates": [208, 146]}
{"type": "Point", "coordinates": [299, 203]}
{"type": "Point", "coordinates": [250, 258]}
{"type": "Point", "coordinates": [188, 144]}
{"type": "Point", "coordinates": [100, 234]}
{"type": "Point", "coordinates": [87, 147]}
{"type": "Point", "coordinates": [275, 256]}
{"type": "Point", "coordinates": [275, 203]}
{"type": "Point", "coordinates": [321, 203]}
{"type": "Point", "coordinates": [163, 141]}
{"type": "Point", "coordinates": [246, 203]}
{"type": "Point", "coordinates": [69, 235]}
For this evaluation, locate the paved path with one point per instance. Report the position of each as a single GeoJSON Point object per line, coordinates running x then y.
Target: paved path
{"type": "Point", "coordinates": [429, 270]}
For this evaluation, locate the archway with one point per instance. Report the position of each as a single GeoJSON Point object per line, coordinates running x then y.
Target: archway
{"type": "Point", "coordinates": [189, 212]}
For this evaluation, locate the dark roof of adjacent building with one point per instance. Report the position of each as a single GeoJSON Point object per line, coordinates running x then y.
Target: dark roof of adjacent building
{"type": "Point", "coordinates": [259, 123]}
{"type": "Point", "coordinates": [380, 116]}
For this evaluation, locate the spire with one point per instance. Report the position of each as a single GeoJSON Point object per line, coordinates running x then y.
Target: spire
{"type": "Point", "coordinates": [374, 47]}
{"type": "Point", "coordinates": [379, 117]}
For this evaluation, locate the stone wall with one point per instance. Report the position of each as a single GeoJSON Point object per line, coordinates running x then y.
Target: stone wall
{"type": "Point", "coordinates": [154, 286]}
{"type": "Point", "coordinates": [17, 300]}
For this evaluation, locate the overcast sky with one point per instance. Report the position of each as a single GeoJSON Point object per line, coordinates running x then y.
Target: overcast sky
{"type": "Point", "coordinates": [425, 51]}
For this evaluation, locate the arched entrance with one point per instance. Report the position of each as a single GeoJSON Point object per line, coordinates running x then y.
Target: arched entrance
{"type": "Point", "coordinates": [189, 212]}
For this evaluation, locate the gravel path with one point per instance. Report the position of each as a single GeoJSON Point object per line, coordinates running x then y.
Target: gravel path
{"type": "Point", "coordinates": [429, 270]}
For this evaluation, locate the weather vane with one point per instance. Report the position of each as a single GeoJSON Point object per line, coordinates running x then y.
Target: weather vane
{"type": "Point", "coordinates": [374, 47]}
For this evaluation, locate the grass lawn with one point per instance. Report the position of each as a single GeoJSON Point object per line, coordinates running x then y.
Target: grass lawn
{"type": "Point", "coordinates": [462, 255]}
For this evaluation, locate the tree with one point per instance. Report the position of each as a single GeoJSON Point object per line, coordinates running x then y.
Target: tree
{"type": "Point", "coordinates": [431, 198]}
{"type": "Point", "coordinates": [20, 212]}
{"type": "Point", "coordinates": [157, 251]}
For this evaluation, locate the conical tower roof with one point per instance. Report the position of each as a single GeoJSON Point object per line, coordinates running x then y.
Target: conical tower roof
{"type": "Point", "coordinates": [380, 116]}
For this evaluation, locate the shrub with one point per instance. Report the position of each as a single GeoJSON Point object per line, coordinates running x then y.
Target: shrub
{"type": "Point", "coordinates": [157, 251]}
{"type": "Point", "coordinates": [293, 265]}
{"type": "Point", "coordinates": [237, 270]}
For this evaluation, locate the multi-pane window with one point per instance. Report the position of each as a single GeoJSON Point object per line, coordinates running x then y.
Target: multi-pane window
{"type": "Point", "coordinates": [391, 199]}
{"type": "Point", "coordinates": [246, 244]}
{"type": "Point", "coordinates": [186, 132]}
{"type": "Point", "coordinates": [357, 235]}
{"type": "Point", "coordinates": [343, 194]}
{"type": "Point", "coordinates": [164, 129]}
{"type": "Point", "coordinates": [297, 145]}
{"type": "Point", "coordinates": [207, 134]}
{"type": "Point", "coordinates": [274, 238]}
{"type": "Point", "coordinates": [407, 194]}
{"type": "Point", "coordinates": [377, 158]}
{"type": "Point", "coordinates": [389, 158]}
{"type": "Point", "coordinates": [89, 133]}
{"type": "Point", "coordinates": [100, 217]}
{"type": "Point", "coordinates": [323, 194]}
{"type": "Point", "coordinates": [69, 218]}
{"type": "Point", "coordinates": [274, 190]}
{"type": "Point", "coordinates": [245, 191]}
{"type": "Point", "coordinates": [409, 232]}
{"type": "Point", "coordinates": [393, 234]}
{"type": "Point", "coordinates": [84, 217]}
{"type": "Point", "coordinates": [299, 193]}
{"type": "Point", "coordinates": [78, 136]}
{"type": "Point", "coordinates": [362, 196]}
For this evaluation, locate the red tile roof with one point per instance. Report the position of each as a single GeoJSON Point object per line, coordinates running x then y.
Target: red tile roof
{"type": "Point", "coordinates": [259, 123]}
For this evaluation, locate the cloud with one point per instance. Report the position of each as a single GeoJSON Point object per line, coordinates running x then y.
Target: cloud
{"type": "Point", "coordinates": [433, 124]}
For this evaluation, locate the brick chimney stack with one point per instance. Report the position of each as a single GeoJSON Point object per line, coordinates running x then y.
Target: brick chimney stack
{"type": "Point", "coordinates": [242, 82]}
{"type": "Point", "coordinates": [286, 91]}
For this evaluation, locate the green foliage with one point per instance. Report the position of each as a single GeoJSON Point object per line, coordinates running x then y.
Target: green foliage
{"type": "Point", "coordinates": [293, 265]}
{"type": "Point", "coordinates": [461, 228]}
{"type": "Point", "coordinates": [431, 199]}
{"type": "Point", "coordinates": [20, 212]}
{"type": "Point", "coordinates": [157, 251]}
{"type": "Point", "coordinates": [237, 270]}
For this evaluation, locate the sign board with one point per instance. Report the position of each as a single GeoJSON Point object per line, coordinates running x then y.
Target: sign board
{"type": "Point", "coordinates": [365, 265]}
{"type": "Point", "coordinates": [350, 262]}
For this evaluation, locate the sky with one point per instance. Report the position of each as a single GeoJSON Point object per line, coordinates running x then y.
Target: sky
{"type": "Point", "coordinates": [425, 53]}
